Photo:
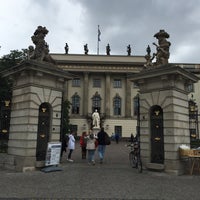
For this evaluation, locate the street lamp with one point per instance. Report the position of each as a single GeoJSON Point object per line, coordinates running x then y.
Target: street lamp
{"type": "Point", "coordinates": [193, 120]}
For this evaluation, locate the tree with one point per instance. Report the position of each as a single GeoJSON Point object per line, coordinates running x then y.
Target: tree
{"type": "Point", "coordinates": [65, 123]}
{"type": "Point", "coordinates": [7, 61]}
{"type": "Point", "coordinates": [12, 59]}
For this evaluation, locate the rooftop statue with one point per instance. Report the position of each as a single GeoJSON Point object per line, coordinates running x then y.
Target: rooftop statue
{"type": "Point", "coordinates": [41, 51]}
{"type": "Point", "coordinates": [129, 50]}
{"type": "Point", "coordinates": [66, 48]}
{"type": "Point", "coordinates": [162, 47]}
{"type": "Point", "coordinates": [86, 50]}
{"type": "Point", "coordinates": [148, 57]}
{"type": "Point", "coordinates": [108, 49]}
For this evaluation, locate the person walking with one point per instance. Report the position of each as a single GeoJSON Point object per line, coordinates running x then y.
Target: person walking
{"type": "Point", "coordinates": [65, 140]}
{"type": "Point", "coordinates": [71, 146]}
{"type": "Point", "coordinates": [101, 137]}
{"type": "Point", "coordinates": [91, 147]}
{"type": "Point", "coordinates": [117, 137]}
{"type": "Point", "coordinates": [83, 144]}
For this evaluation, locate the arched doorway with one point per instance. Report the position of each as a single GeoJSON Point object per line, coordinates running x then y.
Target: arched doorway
{"type": "Point", "coordinates": [157, 136]}
{"type": "Point", "coordinates": [43, 134]}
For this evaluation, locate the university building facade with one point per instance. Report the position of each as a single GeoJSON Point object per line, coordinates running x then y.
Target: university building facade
{"type": "Point", "coordinates": [102, 83]}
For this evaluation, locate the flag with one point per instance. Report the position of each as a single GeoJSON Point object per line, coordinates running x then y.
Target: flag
{"type": "Point", "coordinates": [99, 33]}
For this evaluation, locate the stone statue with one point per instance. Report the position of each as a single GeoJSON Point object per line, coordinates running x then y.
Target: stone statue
{"type": "Point", "coordinates": [96, 119]}
{"type": "Point", "coordinates": [30, 52]}
{"type": "Point", "coordinates": [41, 51]}
{"type": "Point", "coordinates": [129, 50]}
{"type": "Point", "coordinates": [148, 57]}
{"type": "Point", "coordinates": [86, 49]}
{"type": "Point", "coordinates": [162, 54]}
{"type": "Point", "coordinates": [66, 48]}
{"type": "Point", "coordinates": [108, 49]}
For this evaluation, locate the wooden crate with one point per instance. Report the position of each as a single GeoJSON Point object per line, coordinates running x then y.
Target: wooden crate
{"type": "Point", "coordinates": [196, 152]}
{"type": "Point", "coordinates": [186, 152]}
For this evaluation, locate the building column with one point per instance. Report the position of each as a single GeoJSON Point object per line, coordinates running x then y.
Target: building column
{"type": "Point", "coordinates": [65, 91]}
{"type": "Point", "coordinates": [107, 95]}
{"type": "Point", "coordinates": [128, 98]}
{"type": "Point", "coordinates": [85, 93]}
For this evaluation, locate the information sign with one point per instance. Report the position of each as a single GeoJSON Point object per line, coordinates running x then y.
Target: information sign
{"type": "Point", "coordinates": [53, 153]}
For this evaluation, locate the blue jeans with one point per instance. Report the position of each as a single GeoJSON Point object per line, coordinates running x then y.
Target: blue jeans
{"type": "Point", "coordinates": [91, 153]}
{"type": "Point", "coordinates": [101, 151]}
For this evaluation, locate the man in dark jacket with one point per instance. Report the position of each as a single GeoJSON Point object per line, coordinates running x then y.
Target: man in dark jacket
{"type": "Point", "coordinates": [101, 144]}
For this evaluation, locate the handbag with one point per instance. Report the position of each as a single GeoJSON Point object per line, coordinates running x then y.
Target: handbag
{"type": "Point", "coordinates": [107, 139]}
{"type": "Point", "coordinates": [96, 143]}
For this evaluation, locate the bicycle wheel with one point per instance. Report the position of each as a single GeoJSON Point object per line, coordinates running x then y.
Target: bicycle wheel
{"type": "Point", "coordinates": [132, 159]}
{"type": "Point", "coordinates": [139, 165]}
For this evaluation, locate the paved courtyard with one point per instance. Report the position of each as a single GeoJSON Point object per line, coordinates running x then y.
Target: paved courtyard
{"type": "Point", "coordinates": [114, 179]}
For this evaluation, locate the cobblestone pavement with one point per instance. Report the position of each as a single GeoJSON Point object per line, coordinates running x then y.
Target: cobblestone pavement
{"type": "Point", "coordinates": [114, 179]}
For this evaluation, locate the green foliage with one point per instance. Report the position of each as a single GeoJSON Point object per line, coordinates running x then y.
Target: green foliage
{"type": "Point", "coordinates": [5, 89]}
{"type": "Point", "coordinates": [6, 62]}
{"type": "Point", "coordinates": [65, 117]}
{"type": "Point", "coordinates": [12, 59]}
{"type": "Point", "coordinates": [195, 143]}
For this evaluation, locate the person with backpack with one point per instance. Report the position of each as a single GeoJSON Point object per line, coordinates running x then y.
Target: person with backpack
{"type": "Point", "coordinates": [103, 140]}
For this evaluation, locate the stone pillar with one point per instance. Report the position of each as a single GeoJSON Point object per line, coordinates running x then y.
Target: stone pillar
{"type": "Point", "coordinates": [65, 91]}
{"type": "Point", "coordinates": [107, 95]}
{"type": "Point", "coordinates": [166, 87]}
{"type": "Point", "coordinates": [128, 98]}
{"type": "Point", "coordinates": [85, 93]}
{"type": "Point", "coordinates": [35, 83]}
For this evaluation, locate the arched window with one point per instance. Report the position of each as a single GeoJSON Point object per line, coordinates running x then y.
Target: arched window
{"type": "Point", "coordinates": [75, 104]}
{"type": "Point", "coordinates": [117, 105]}
{"type": "Point", "coordinates": [96, 102]}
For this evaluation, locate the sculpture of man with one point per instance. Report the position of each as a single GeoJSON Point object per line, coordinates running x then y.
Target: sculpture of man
{"type": "Point", "coordinates": [86, 49]}
{"type": "Point", "coordinates": [163, 46]}
{"type": "Point", "coordinates": [66, 48]}
{"type": "Point", "coordinates": [96, 119]}
{"type": "Point", "coordinates": [108, 49]}
{"type": "Point", "coordinates": [129, 50]}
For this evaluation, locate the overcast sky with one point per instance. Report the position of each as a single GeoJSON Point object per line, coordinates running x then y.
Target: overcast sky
{"type": "Point", "coordinates": [122, 22]}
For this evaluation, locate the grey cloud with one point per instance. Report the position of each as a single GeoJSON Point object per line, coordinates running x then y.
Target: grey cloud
{"type": "Point", "coordinates": [136, 22]}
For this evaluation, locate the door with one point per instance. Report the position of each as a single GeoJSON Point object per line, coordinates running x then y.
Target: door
{"type": "Point", "coordinates": [43, 131]}
{"type": "Point", "coordinates": [157, 138]}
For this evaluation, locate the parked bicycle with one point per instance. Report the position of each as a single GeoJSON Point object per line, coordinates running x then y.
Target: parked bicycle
{"type": "Point", "coordinates": [134, 156]}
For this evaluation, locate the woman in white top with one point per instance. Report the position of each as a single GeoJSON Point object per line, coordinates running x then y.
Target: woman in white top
{"type": "Point", "coordinates": [71, 146]}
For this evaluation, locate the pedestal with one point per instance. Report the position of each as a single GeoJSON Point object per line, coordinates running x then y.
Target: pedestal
{"type": "Point", "coordinates": [96, 130]}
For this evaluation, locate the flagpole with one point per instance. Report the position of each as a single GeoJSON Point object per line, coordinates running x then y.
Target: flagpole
{"type": "Point", "coordinates": [97, 47]}
{"type": "Point", "coordinates": [98, 39]}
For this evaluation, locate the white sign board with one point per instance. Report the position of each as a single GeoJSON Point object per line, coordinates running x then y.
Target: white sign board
{"type": "Point", "coordinates": [53, 153]}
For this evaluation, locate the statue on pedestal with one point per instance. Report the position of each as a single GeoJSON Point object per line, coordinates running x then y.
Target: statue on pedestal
{"type": "Point", "coordinates": [162, 54]}
{"type": "Point", "coordinates": [41, 50]}
{"type": "Point", "coordinates": [96, 119]}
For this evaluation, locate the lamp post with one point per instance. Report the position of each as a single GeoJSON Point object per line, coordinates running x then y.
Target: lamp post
{"type": "Point", "coordinates": [193, 120]}
{"type": "Point", "coordinates": [138, 120]}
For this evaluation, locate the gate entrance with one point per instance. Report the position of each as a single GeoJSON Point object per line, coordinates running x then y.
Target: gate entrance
{"type": "Point", "coordinates": [43, 131]}
{"type": "Point", "coordinates": [157, 137]}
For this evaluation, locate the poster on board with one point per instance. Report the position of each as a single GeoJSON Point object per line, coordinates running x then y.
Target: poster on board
{"type": "Point", "coordinates": [53, 153]}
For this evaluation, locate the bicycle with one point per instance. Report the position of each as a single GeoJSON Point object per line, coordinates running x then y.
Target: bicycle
{"type": "Point", "coordinates": [134, 156]}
